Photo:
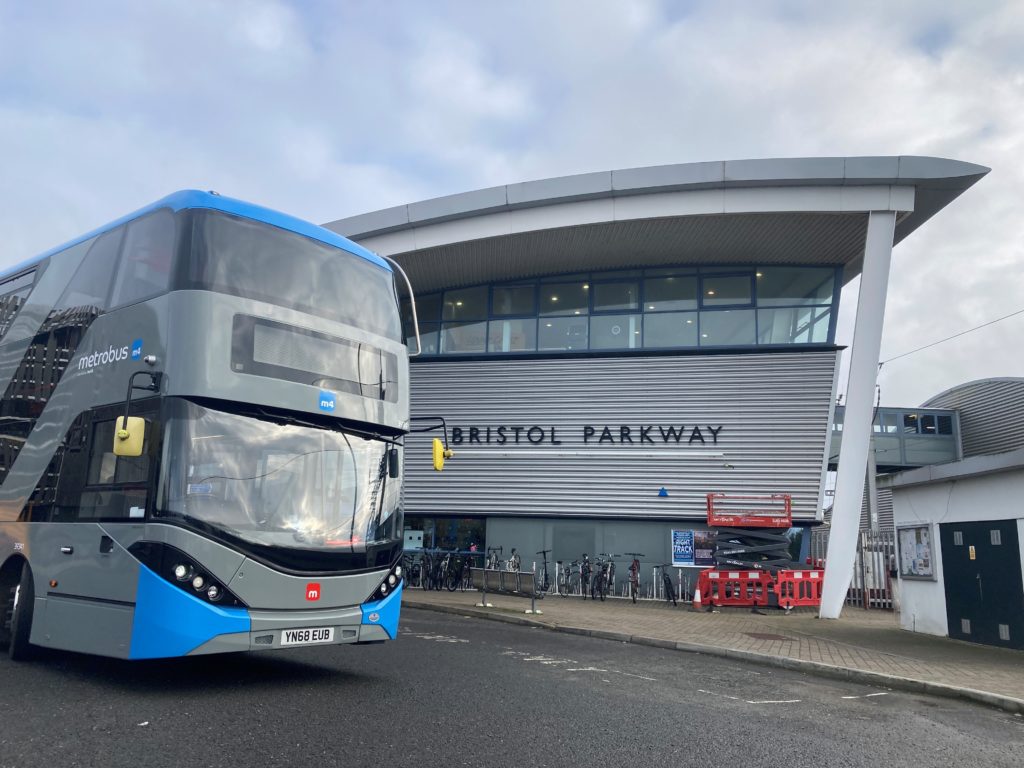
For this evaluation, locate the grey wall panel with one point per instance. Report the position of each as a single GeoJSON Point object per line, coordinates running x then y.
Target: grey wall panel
{"type": "Point", "coordinates": [568, 540]}
{"type": "Point", "coordinates": [886, 521]}
{"type": "Point", "coordinates": [991, 414]}
{"type": "Point", "coordinates": [885, 516]}
{"type": "Point", "coordinates": [771, 412]}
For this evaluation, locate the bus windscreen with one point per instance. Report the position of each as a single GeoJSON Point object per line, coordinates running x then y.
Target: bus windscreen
{"type": "Point", "coordinates": [278, 485]}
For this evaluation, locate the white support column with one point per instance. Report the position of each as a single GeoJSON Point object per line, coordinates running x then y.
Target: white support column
{"type": "Point", "coordinates": [860, 392]}
{"type": "Point", "coordinates": [871, 485]}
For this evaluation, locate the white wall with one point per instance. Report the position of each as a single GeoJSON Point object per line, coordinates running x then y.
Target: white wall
{"type": "Point", "coordinates": [989, 497]}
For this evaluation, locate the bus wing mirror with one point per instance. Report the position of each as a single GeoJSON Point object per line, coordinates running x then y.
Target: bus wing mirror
{"type": "Point", "coordinates": [440, 454]}
{"type": "Point", "coordinates": [393, 468]}
{"type": "Point", "coordinates": [129, 436]}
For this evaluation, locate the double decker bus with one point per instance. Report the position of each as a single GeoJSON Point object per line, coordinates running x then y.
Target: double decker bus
{"type": "Point", "coordinates": [200, 437]}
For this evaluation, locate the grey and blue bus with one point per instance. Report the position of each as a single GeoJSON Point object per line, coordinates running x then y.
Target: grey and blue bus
{"type": "Point", "coordinates": [201, 427]}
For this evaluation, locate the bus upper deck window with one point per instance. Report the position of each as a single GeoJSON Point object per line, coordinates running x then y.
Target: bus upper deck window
{"type": "Point", "coordinates": [145, 268]}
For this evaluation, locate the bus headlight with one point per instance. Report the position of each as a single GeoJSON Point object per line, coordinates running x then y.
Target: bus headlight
{"type": "Point", "coordinates": [391, 582]}
{"type": "Point", "coordinates": [185, 573]}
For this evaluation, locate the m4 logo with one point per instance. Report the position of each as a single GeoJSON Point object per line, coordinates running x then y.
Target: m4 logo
{"type": "Point", "coordinates": [313, 591]}
{"type": "Point", "coordinates": [327, 400]}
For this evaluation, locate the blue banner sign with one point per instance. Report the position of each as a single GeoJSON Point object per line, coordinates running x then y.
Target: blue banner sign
{"type": "Point", "coordinates": [682, 548]}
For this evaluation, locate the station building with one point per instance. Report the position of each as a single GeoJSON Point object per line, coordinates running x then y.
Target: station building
{"type": "Point", "coordinates": [960, 524]}
{"type": "Point", "coordinates": [609, 348]}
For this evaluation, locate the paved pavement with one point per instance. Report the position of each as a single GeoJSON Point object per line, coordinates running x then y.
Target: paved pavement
{"type": "Point", "coordinates": [865, 646]}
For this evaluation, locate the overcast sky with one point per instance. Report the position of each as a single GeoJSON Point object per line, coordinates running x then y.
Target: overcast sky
{"type": "Point", "coordinates": [328, 109]}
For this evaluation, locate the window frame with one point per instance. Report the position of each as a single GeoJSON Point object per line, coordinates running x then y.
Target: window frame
{"type": "Point", "coordinates": [12, 287]}
{"type": "Point", "coordinates": [79, 444]}
{"type": "Point", "coordinates": [638, 277]}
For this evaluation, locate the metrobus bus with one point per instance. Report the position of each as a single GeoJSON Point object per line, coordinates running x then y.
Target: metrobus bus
{"type": "Point", "coordinates": [200, 437]}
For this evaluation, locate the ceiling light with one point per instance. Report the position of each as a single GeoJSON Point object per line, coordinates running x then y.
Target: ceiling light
{"type": "Point", "coordinates": [586, 286]}
{"type": "Point", "coordinates": [711, 293]}
{"type": "Point", "coordinates": [554, 298]}
{"type": "Point", "coordinates": [458, 303]}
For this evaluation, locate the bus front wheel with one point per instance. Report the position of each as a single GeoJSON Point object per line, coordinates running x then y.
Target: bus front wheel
{"type": "Point", "coordinates": [22, 603]}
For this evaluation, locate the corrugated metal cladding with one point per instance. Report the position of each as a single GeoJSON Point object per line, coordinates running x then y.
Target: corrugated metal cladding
{"type": "Point", "coordinates": [886, 521]}
{"type": "Point", "coordinates": [771, 410]}
{"type": "Point", "coordinates": [991, 414]}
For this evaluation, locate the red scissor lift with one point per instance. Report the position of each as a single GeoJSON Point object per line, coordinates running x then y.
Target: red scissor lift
{"type": "Point", "coordinates": [753, 567]}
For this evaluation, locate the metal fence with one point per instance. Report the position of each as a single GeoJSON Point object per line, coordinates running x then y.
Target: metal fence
{"type": "Point", "coordinates": [870, 586]}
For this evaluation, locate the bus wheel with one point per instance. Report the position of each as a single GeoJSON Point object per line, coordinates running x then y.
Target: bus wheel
{"type": "Point", "coordinates": [22, 603]}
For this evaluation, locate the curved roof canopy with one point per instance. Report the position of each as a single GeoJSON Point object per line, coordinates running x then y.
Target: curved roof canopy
{"type": "Point", "coordinates": [781, 211]}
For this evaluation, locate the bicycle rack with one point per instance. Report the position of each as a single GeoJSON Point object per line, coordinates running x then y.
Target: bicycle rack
{"type": "Point", "coordinates": [508, 583]}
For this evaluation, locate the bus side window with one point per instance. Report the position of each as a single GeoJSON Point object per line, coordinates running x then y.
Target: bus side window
{"type": "Point", "coordinates": [145, 268]}
{"type": "Point", "coordinates": [91, 283]}
{"type": "Point", "coordinates": [105, 468]}
{"type": "Point", "coordinates": [13, 293]}
{"type": "Point", "coordinates": [115, 487]}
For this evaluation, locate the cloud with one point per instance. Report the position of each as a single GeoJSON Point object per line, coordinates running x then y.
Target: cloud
{"type": "Point", "coordinates": [326, 110]}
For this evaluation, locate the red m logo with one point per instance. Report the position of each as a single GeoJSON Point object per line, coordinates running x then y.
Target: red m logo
{"type": "Point", "coordinates": [313, 591]}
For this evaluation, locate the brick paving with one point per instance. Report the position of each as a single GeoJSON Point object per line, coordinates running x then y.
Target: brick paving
{"type": "Point", "coordinates": [862, 641]}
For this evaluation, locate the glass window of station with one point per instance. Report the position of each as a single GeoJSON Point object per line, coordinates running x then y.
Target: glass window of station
{"type": "Point", "coordinates": [665, 308]}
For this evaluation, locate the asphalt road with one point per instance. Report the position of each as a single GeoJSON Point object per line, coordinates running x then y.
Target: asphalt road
{"type": "Point", "coordinates": [455, 691]}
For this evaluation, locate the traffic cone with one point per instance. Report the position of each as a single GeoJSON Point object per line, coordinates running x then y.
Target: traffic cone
{"type": "Point", "coordinates": [697, 606]}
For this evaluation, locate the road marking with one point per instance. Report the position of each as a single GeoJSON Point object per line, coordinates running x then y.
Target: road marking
{"type": "Point", "coordinates": [440, 638]}
{"type": "Point", "coordinates": [639, 677]}
{"type": "Point", "coordinates": [866, 696]}
{"type": "Point", "coordinates": [748, 701]}
{"type": "Point", "coordinates": [776, 701]}
{"type": "Point", "coordinates": [720, 695]}
{"type": "Point", "coordinates": [549, 661]}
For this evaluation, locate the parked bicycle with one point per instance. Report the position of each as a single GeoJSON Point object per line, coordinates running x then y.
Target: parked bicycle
{"type": "Point", "coordinates": [610, 576]}
{"type": "Point", "coordinates": [514, 561]}
{"type": "Point", "coordinates": [634, 575]}
{"type": "Point", "coordinates": [666, 580]}
{"type": "Point", "coordinates": [452, 570]}
{"type": "Point", "coordinates": [599, 584]}
{"type": "Point", "coordinates": [494, 558]}
{"type": "Point", "coordinates": [586, 569]}
{"type": "Point", "coordinates": [435, 572]}
{"type": "Point", "coordinates": [411, 569]}
{"type": "Point", "coordinates": [568, 577]}
{"type": "Point", "coordinates": [544, 582]}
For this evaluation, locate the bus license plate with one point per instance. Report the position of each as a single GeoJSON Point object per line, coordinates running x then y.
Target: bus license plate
{"type": "Point", "coordinates": [309, 636]}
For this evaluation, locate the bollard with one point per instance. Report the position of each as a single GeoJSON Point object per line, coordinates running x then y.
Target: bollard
{"type": "Point", "coordinates": [533, 595]}
{"type": "Point", "coordinates": [483, 590]}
